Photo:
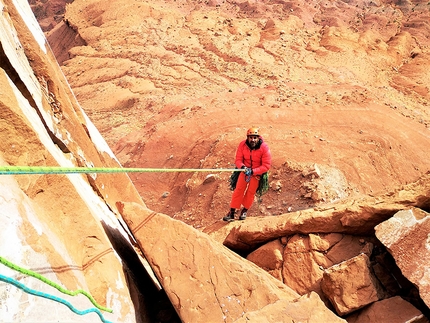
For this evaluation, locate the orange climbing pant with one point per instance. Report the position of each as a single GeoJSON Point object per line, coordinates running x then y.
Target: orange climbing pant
{"type": "Point", "coordinates": [244, 192]}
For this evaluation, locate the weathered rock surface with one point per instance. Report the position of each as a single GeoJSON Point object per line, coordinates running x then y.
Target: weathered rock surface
{"type": "Point", "coordinates": [315, 253]}
{"type": "Point", "coordinates": [390, 310]}
{"type": "Point", "coordinates": [58, 226]}
{"type": "Point", "coordinates": [343, 86]}
{"type": "Point", "coordinates": [407, 237]}
{"type": "Point", "coordinates": [290, 257]}
{"type": "Point", "coordinates": [269, 257]}
{"type": "Point", "coordinates": [67, 37]}
{"type": "Point", "coordinates": [207, 282]}
{"type": "Point", "coordinates": [284, 311]}
{"type": "Point", "coordinates": [351, 285]}
{"type": "Point", "coordinates": [299, 258]}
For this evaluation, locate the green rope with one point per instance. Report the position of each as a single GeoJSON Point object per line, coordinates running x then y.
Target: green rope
{"type": "Point", "coordinates": [20, 170]}
{"type": "Point", "coordinates": [34, 292]}
{"type": "Point", "coordinates": [51, 283]}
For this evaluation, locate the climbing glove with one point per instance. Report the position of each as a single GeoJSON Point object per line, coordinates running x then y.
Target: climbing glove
{"type": "Point", "coordinates": [248, 173]}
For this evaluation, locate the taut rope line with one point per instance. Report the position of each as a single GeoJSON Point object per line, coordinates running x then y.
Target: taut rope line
{"type": "Point", "coordinates": [25, 170]}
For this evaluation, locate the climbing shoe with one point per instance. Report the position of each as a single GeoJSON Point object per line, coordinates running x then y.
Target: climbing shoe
{"type": "Point", "coordinates": [242, 215]}
{"type": "Point", "coordinates": [229, 217]}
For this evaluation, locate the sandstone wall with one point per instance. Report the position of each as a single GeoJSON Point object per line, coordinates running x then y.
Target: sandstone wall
{"type": "Point", "coordinates": [56, 226]}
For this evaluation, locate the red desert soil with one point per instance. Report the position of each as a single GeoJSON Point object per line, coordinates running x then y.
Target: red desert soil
{"type": "Point", "coordinates": [175, 84]}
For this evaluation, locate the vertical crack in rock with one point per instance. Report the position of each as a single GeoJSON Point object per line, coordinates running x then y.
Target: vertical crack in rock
{"type": "Point", "coordinates": [13, 75]}
{"type": "Point", "coordinates": [147, 296]}
{"type": "Point", "coordinates": [212, 274]}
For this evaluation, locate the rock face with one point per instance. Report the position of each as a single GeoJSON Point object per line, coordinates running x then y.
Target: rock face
{"type": "Point", "coordinates": [208, 270]}
{"type": "Point", "coordinates": [206, 282]}
{"type": "Point", "coordinates": [406, 236]}
{"type": "Point", "coordinates": [56, 226]}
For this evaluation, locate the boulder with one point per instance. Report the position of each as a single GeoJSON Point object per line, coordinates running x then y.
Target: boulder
{"type": "Point", "coordinates": [301, 269]}
{"type": "Point", "coordinates": [348, 218]}
{"type": "Point", "coordinates": [269, 257]}
{"type": "Point", "coordinates": [351, 285]}
{"type": "Point", "coordinates": [357, 217]}
{"type": "Point", "coordinates": [406, 236]}
{"type": "Point", "coordinates": [313, 254]}
{"type": "Point", "coordinates": [390, 310]}
{"type": "Point", "coordinates": [306, 309]}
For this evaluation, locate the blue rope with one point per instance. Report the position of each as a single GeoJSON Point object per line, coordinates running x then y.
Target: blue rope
{"type": "Point", "coordinates": [52, 297]}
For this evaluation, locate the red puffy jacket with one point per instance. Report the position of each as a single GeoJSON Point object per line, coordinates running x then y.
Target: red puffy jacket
{"type": "Point", "coordinates": [258, 159]}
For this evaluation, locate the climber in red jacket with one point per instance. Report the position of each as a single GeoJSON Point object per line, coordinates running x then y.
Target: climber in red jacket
{"type": "Point", "coordinates": [253, 155]}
